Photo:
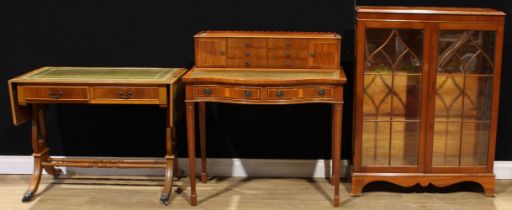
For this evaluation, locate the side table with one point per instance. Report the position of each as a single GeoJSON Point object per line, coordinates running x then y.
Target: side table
{"type": "Point", "coordinates": [29, 93]}
{"type": "Point", "coordinates": [262, 86]}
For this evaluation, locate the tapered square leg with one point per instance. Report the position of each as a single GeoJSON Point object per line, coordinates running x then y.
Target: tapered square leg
{"type": "Point", "coordinates": [190, 110]}
{"type": "Point", "coordinates": [337, 110]}
{"type": "Point", "coordinates": [202, 140]}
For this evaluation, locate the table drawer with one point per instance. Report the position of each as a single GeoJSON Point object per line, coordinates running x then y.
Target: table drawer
{"type": "Point", "coordinates": [209, 91]}
{"type": "Point", "coordinates": [53, 93]}
{"type": "Point", "coordinates": [126, 94]}
{"type": "Point", "coordinates": [242, 93]}
{"type": "Point", "coordinates": [247, 42]}
{"type": "Point", "coordinates": [228, 92]}
{"type": "Point", "coordinates": [288, 43]}
{"type": "Point", "coordinates": [291, 93]}
{"type": "Point", "coordinates": [318, 92]}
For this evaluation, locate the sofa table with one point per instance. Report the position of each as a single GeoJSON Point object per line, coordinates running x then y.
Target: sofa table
{"type": "Point", "coordinates": [262, 86]}
{"type": "Point", "coordinates": [30, 93]}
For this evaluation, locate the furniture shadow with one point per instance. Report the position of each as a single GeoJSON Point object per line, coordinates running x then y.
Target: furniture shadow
{"type": "Point", "coordinates": [344, 190]}
{"type": "Point", "coordinates": [237, 184]}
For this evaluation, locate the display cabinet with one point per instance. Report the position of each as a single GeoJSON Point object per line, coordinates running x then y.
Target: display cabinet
{"type": "Point", "coordinates": [426, 95]}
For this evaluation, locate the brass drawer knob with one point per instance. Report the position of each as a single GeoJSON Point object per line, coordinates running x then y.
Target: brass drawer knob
{"type": "Point", "coordinates": [321, 92]}
{"type": "Point", "coordinates": [280, 94]}
{"type": "Point", "coordinates": [57, 95]}
{"type": "Point", "coordinates": [207, 91]}
{"type": "Point", "coordinates": [287, 54]}
{"type": "Point", "coordinates": [248, 93]}
{"type": "Point", "coordinates": [312, 54]}
{"type": "Point", "coordinates": [247, 63]}
{"type": "Point", "coordinates": [247, 53]}
{"type": "Point", "coordinates": [222, 52]}
{"type": "Point", "coordinates": [125, 95]}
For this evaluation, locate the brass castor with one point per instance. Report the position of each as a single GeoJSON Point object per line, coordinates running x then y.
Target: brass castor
{"type": "Point", "coordinates": [164, 199]}
{"type": "Point", "coordinates": [59, 172]}
{"type": "Point", "coordinates": [26, 197]}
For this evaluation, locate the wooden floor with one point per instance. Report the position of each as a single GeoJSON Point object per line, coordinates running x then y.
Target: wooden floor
{"type": "Point", "coordinates": [116, 193]}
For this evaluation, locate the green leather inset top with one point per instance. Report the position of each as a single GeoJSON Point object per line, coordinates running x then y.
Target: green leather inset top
{"type": "Point", "coordinates": [95, 73]}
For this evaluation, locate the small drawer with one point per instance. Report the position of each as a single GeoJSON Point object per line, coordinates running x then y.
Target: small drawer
{"type": "Point", "coordinates": [260, 53]}
{"type": "Point", "coordinates": [283, 93]}
{"type": "Point", "coordinates": [300, 93]}
{"type": "Point", "coordinates": [287, 53]}
{"type": "Point", "coordinates": [247, 42]}
{"type": "Point", "coordinates": [288, 63]}
{"type": "Point", "coordinates": [318, 92]}
{"type": "Point", "coordinates": [53, 93]}
{"type": "Point", "coordinates": [247, 62]}
{"type": "Point", "coordinates": [147, 94]}
{"type": "Point", "coordinates": [243, 93]}
{"type": "Point", "coordinates": [227, 92]}
{"type": "Point", "coordinates": [288, 43]}
{"type": "Point", "coordinates": [209, 91]}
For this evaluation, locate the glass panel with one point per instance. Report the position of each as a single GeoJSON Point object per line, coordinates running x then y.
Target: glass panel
{"type": "Point", "coordinates": [376, 99]}
{"type": "Point", "coordinates": [465, 65]}
{"type": "Point", "coordinates": [474, 144]}
{"type": "Point", "coordinates": [471, 52]}
{"type": "Point", "coordinates": [478, 98]}
{"type": "Point", "coordinates": [389, 50]}
{"type": "Point", "coordinates": [404, 145]}
{"type": "Point", "coordinates": [406, 97]}
{"type": "Point", "coordinates": [392, 91]}
{"type": "Point", "coordinates": [446, 146]}
{"type": "Point", "coordinates": [375, 143]}
{"type": "Point", "coordinates": [449, 92]}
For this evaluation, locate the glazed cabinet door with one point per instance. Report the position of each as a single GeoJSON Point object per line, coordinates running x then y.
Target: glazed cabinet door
{"type": "Point", "coordinates": [210, 52]}
{"type": "Point", "coordinates": [464, 82]}
{"type": "Point", "coordinates": [324, 53]}
{"type": "Point", "coordinates": [390, 76]}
